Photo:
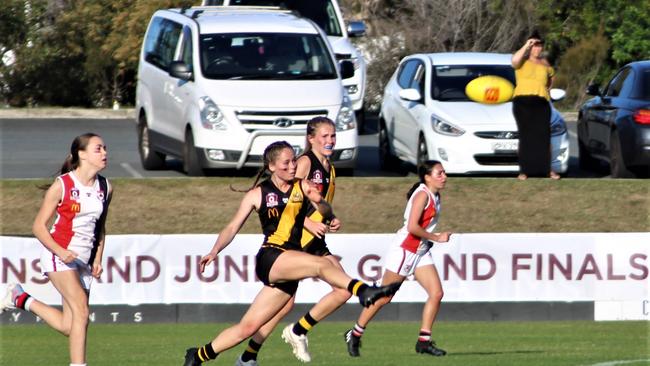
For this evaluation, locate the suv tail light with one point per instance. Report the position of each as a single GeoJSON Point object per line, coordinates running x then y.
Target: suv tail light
{"type": "Point", "coordinates": [642, 116]}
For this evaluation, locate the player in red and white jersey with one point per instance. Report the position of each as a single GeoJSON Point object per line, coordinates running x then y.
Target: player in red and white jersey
{"type": "Point", "coordinates": [411, 256]}
{"type": "Point", "coordinates": [73, 247]}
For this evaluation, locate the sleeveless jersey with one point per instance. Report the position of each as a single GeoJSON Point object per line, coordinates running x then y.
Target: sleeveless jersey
{"type": "Point", "coordinates": [76, 215]}
{"type": "Point", "coordinates": [324, 180]}
{"type": "Point", "coordinates": [428, 221]}
{"type": "Point", "coordinates": [282, 214]}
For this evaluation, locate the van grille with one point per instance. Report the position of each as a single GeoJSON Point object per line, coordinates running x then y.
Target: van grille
{"type": "Point", "coordinates": [253, 120]}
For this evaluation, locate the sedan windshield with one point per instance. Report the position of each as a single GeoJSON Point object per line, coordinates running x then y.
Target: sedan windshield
{"type": "Point", "coordinates": [449, 81]}
{"type": "Point", "coordinates": [265, 56]}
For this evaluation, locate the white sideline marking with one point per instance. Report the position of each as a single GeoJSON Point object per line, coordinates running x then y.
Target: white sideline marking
{"type": "Point", "coordinates": [130, 170]}
{"type": "Point", "coordinates": [620, 362]}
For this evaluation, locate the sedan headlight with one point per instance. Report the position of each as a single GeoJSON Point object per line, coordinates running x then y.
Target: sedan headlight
{"type": "Point", "coordinates": [445, 128]}
{"type": "Point", "coordinates": [211, 116]}
{"type": "Point", "coordinates": [558, 127]}
{"type": "Point", "coordinates": [345, 119]}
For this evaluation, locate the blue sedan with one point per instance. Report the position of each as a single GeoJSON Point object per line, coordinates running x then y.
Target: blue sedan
{"type": "Point", "coordinates": [614, 125]}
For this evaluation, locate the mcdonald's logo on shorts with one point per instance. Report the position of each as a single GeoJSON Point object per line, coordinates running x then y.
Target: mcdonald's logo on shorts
{"type": "Point", "coordinates": [272, 212]}
{"type": "Point", "coordinates": [491, 94]}
{"type": "Point", "coordinates": [75, 207]}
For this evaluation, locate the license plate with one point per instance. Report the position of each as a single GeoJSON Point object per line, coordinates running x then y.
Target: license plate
{"type": "Point", "coordinates": [505, 146]}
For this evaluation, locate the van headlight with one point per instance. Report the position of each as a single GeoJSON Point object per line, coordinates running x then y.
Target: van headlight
{"type": "Point", "coordinates": [345, 119]}
{"type": "Point", "coordinates": [445, 128]}
{"type": "Point", "coordinates": [211, 116]}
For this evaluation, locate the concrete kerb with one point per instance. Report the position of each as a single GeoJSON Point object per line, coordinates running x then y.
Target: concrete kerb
{"type": "Point", "coordinates": [86, 113]}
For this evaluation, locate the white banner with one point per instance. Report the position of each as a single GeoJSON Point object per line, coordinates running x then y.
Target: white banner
{"type": "Point", "coordinates": [146, 269]}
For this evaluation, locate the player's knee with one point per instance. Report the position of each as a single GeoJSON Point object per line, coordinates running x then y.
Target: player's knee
{"type": "Point", "coordinates": [436, 296]}
{"type": "Point", "coordinates": [247, 329]}
{"type": "Point", "coordinates": [342, 295]}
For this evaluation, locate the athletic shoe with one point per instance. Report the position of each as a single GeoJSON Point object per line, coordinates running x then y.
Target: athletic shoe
{"type": "Point", "coordinates": [9, 300]}
{"type": "Point", "coordinates": [239, 362]}
{"type": "Point", "coordinates": [371, 294]}
{"type": "Point", "coordinates": [299, 343]}
{"type": "Point", "coordinates": [429, 347]}
{"type": "Point", "coordinates": [191, 358]}
{"type": "Point", "coordinates": [354, 343]}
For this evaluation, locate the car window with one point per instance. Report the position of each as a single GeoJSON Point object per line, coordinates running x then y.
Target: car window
{"type": "Point", "coordinates": [406, 72]}
{"type": "Point", "coordinates": [186, 53]}
{"type": "Point", "coordinates": [628, 84]}
{"type": "Point", "coordinates": [418, 78]}
{"type": "Point", "coordinates": [643, 85]}
{"type": "Point", "coordinates": [270, 56]}
{"type": "Point", "coordinates": [616, 84]}
{"type": "Point", "coordinates": [322, 12]}
{"type": "Point", "coordinates": [161, 42]}
{"type": "Point", "coordinates": [448, 82]}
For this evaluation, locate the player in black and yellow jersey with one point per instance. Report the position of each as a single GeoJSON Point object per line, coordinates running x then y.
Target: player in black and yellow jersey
{"type": "Point", "coordinates": [282, 203]}
{"type": "Point", "coordinates": [314, 165]}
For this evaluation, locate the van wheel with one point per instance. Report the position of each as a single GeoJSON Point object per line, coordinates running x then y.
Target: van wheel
{"type": "Point", "coordinates": [423, 154]}
{"type": "Point", "coordinates": [616, 163]}
{"type": "Point", "coordinates": [191, 164]}
{"type": "Point", "coordinates": [387, 161]}
{"type": "Point", "coordinates": [150, 159]}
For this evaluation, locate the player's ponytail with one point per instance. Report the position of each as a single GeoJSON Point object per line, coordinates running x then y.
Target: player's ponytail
{"type": "Point", "coordinates": [271, 153]}
{"type": "Point", "coordinates": [424, 169]}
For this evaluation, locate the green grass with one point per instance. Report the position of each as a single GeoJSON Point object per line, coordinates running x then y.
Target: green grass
{"type": "Point", "coordinates": [364, 205]}
{"type": "Point", "coordinates": [385, 343]}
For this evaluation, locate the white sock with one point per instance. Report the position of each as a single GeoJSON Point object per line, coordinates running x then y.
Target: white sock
{"type": "Point", "coordinates": [78, 364]}
{"type": "Point", "coordinates": [28, 302]}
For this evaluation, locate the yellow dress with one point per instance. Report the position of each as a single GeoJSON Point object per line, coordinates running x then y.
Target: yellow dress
{"type": "Point", "coordinates": [532, 79]}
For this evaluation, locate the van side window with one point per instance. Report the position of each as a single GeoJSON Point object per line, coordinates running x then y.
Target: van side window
{"type": "Point", "coordinates": [161, 42]}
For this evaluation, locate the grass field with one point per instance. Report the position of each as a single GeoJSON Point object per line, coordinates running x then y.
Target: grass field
{"type": "Point", "coordinates": [385, 343]}
{"type": "Point", "coordinates": [364, 205]}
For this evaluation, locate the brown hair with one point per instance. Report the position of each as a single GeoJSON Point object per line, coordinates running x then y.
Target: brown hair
{"type": "Point", "coordinates": [80, 143]}
{"type": "Point", "coordinates": [312, 126]}
{"type": "Point", "coordinates": [271, 154]}
{"type": "Point", "coordinates": [423, 170]}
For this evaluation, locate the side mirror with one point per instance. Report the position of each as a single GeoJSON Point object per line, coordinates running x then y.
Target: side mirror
{"type": "Point", "coordinates": [411, 94]}
{"type": "Point", "coordinates": [180, 70]}
{"type": "Point", "coordinates": [593, 89]}
{"type": "Point", "coordinates": [356, 28]}
{"type": "Point", "coordinates": [347, 69]}
{"type": "Point", "coordinates": [557, 94]}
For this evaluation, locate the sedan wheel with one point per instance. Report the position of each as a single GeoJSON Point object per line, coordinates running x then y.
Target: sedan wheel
{"type": "Point", "coordinates": [387, 161]}
{"type": "Point", "coordinates": [423, 154]}
{"type": "Point", "coordinates": [616, 163]}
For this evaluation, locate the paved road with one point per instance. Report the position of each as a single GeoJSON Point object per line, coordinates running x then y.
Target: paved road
{"type": "Point", "coordinates": [36, 148]}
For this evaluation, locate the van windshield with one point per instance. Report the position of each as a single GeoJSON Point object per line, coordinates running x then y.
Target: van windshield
{"type": "Point", "coordinates": [448, 81]}
{"type": "Point", "coordinates": [265, 56]}
{"type": "Point", "coordinates": [322, 12]}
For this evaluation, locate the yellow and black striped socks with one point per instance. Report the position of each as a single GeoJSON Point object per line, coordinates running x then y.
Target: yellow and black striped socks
{"type": "Point", "coordinates": [355, 286]}
{"type": "Point", "coordinates": [251, 351]}
{"type": "Point", "coordinates": [206, 353]}
{"type": "Point", "coordinates": [304, 325]}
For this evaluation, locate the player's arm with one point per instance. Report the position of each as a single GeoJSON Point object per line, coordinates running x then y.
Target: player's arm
{"type": "Point", "coordinates": [97, 268]}
{"type": "Point", "coordinates": [250, 202]}
{"type": "Point", "coordinates": [318, 229]}
{"type": "Point", "coordinates": [40, 227]}
{"type": "Point", "coordinates": [312, 193]}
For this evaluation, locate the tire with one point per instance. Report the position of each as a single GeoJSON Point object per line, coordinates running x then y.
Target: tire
{"type": "Point", "coordinates": [191, 164]}
{"type": "Point", "coordinates": [387, 161]}
{"type": "Point", "coordinates": [360, 115]}
{"type": "Point", "coordinates": [585, 160]}
{"type": "Point", "coordinates": [149, 157]}
{"type": "Point", "coordinates": [423, 154]}
{"type": "Point", "coordinates": [616, 163]}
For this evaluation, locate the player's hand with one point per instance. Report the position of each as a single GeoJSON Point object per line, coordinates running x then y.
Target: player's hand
{"type": "Point", "coordinates": [335, 225]}
{"type": "Point", "coordinates": [318, 229]}
{"type": "Point", "coordinates": [97, 270]}
{"type": "Point", "coordinates": [206, 260]}
{"type": "Point", "coordinates": [442, 237]}
{"type": "Point", "coordinates": [67, 256]}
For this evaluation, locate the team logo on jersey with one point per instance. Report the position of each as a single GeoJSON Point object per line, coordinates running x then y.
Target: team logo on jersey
{"type": "Point", "coordinates": [74, 194]}
{"type": "Point", "coordinates": [271, 200]}
{"type": "Point", "coordinates": [100, 195]}
{"type": "Point", "coordinates": [296, 197]}
{"type": "Point", "coordinates": [317, 177]}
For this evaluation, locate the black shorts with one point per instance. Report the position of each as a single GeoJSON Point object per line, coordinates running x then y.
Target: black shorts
{"type": "Point", "coordinates": [317, 247]}
{"type": "Point", "coordinates": [265, 257]}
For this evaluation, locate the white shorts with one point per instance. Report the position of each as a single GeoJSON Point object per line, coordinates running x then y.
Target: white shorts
{"type": "Point", "coordinates": [404, 263]}
{"type": "Point", "coordinates": [52, 263]}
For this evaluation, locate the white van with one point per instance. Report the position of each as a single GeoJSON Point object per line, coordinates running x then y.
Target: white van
{"type": "Point", "coordinates": [327, 14]}
{"type": "Point", "coordinates": [216, 85]}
